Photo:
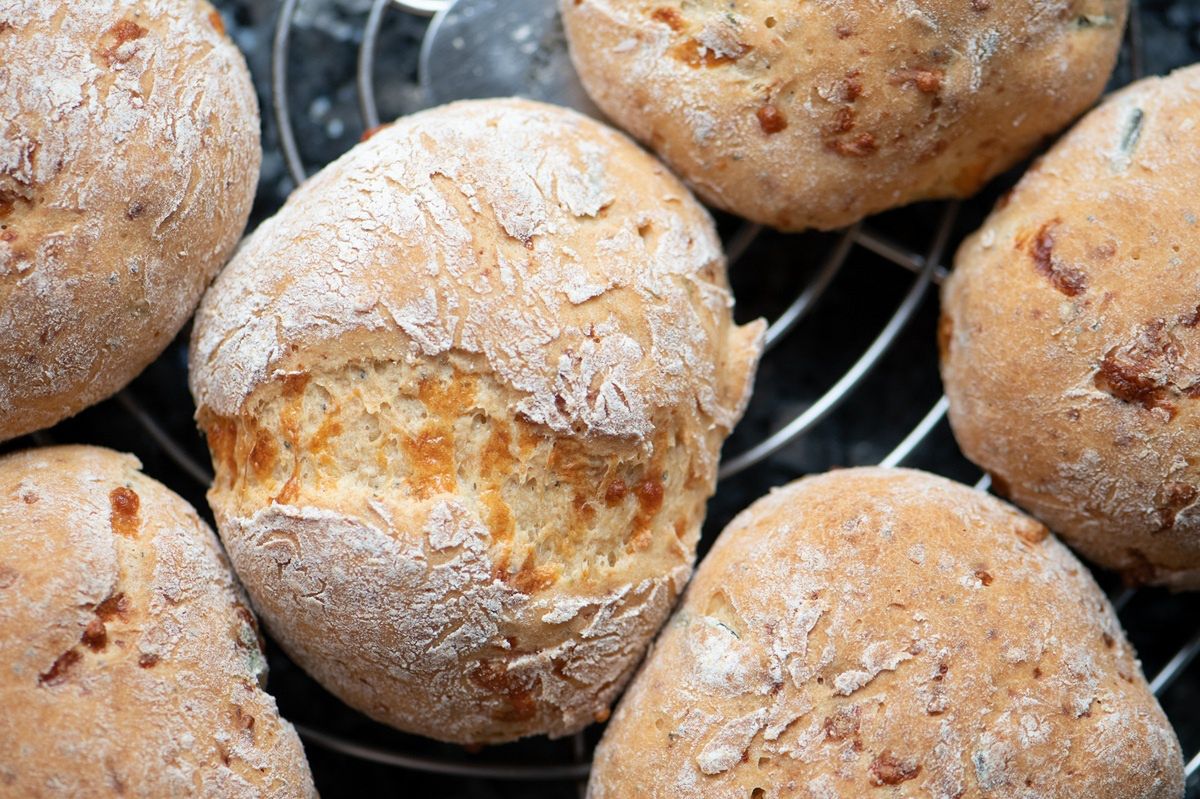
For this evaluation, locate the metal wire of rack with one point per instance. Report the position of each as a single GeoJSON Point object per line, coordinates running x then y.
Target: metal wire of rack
{"type": "Point", "coordinates": [928, 270]}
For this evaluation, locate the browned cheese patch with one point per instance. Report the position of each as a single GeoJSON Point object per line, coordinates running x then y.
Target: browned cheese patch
{"type": "Point", "coordinates": [1151, 370]}
{"type": "Point", "coordinates": [60, 669]}
{"type": "Point", "coordinates": [221, 432]}
{"type": "Point", "coordinates": [126, 507]}
{"type": "Point", "coordinates": [431, 461]}
{"type": "Point", "coordinates": [1066, 279]}
{"type": "Point", "coordinates": [494, 677]}
{"type": "Point", "coordinates": [844, 725]}
{"type": "Point", "coordinates": [501, 522]}
{"type": "Point", "coordinates": [945, 333]}
{"type": "Point", "coordinates": [649, 493]}
{"type": "Point", "coordinates": [124, 31]}
{"type": "Point", "coordinates": [696, 55]}
{"type": "Point", "coordinates": [1173, 498]}
{"type": "Point", "coordinates": [116, 606]}
{"type": "Point", "coordinates": [771, 120]}
{"type": "Point", "coordinates": [925, 79]}
{"type": "Point", "coordinates": [888, 769]}
{"type": "Point", "coordinates": [531, 577]}
{"type": "Point", "coordinates": [289, 418]}
{"type": "Point", "coordinates": [263, 454]}
{"type": "Point", "coordinates": [669, 17]}
{"type": "Point", "coordinates": [95, 635]}
{"type": "Point", "coordinates": [1031, 531]}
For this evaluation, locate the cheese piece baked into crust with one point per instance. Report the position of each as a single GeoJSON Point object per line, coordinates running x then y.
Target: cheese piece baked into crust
{"type": "Point", "coordinates": [875, 632]}
{"type": "Point", "coordinates": [465, 395]}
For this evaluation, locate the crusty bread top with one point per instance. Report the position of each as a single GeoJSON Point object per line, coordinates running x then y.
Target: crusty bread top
{"type": "Point", "coordinates": [129, 154]}
{"type": "Point", "coordinates": [1070, 337]}
{"type": "Point", "coordinates": [816, 114]}
{"type": "Point", "coordinates": [887, 632]}
{"type": "Point", "coordinates": [588, 278]}
{"type": "Point", "coordinates": [128, 663]}
{"type": "Point", "coordinates": [465, 397]}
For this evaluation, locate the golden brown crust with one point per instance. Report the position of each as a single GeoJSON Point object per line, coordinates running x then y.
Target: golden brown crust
{"type": "Point", "coordinates": [817, 114]}
{"type": "Point", "coordinates": [465, 395]}
{"type": "Point", "coordinates": [131, 665]}
{"type": "Point", "coordinates": [1071, 353]}
{"type": "Point", "coordinates": [887, 632]}
{"type": "Point", "coordinates": [129, 155]}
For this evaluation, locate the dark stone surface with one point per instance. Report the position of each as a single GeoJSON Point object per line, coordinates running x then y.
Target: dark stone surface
{"type": "Point", "coordinates": [875, 418]}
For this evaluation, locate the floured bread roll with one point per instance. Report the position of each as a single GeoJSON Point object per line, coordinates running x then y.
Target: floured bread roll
{"type": "Point", "coordinates": [876, 632]}
{"type": "Point", "coordinates": [1070, 338]}
{"type": "Point", "coordinates": [816, 114]}
{"type": "Point", "coordinates": [128, 664]}
{"type": "Point", "coordinates": [465, 395]}
{"type": "Point", "coordinates": [129, 154]}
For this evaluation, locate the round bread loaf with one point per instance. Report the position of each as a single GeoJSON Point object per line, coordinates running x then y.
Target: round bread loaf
{"type": "Point", "coordinates": [129, 154]}
{"type": "Point", "coordinates": [129, 665]}
{"type": "Point", "coordinates": [1070, 345]}
{"type": "Point", "coordinates": [876, 632]}
{"type": "Point", "coordinates": [802, 115]}
{"type": "Point", "coordinates": [465, 395]}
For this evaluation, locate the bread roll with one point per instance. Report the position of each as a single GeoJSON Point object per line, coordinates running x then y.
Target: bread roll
{"type": "Point", "coordinates": [129, 154]}
{"type": "Point", "coordinates": [465, 395]}
{"type": "Point", "coordinates": [800, 115]}
{"type": "Point", "coordinates": [129, 665]}
{"type": "Point", "coordinates": [1070, 347]}
{"type": "Point", "coordinates": [876, 632]}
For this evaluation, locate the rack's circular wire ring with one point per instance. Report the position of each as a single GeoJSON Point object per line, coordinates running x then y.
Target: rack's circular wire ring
{"type": "Point", "coordinates": [423, 8]}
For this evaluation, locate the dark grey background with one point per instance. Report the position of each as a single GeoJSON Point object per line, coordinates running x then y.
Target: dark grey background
{"type": "Point", "coordinates": [325, 41]}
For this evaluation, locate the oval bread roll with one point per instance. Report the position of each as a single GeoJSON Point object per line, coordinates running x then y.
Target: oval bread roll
{"type": "Point", "coordinates": [129, 154]}
{"type": "Point", "coordinates": [129, 665]}
{"type": "Point", "coordinates": [1070, 338]}
{"type": "Point", "coordinates": [465, 395]}
{"type": "Point", "coordinates": [816, 114]}
{"type": "Point", "coordinates": [876, 632]}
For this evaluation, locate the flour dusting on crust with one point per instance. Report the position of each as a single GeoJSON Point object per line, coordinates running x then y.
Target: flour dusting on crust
{"type": "Point", "coordinates": [552, 181]}
{"type": "Point", "coordinates": [130, 661]}
{"type": "Point", "coordinates": [129, 154]}
{"type": "Point", "coordinates": [907, 679]}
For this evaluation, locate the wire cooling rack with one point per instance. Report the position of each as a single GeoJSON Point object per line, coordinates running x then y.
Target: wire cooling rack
{"type": "Point", "coordinates": [828, 394]}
